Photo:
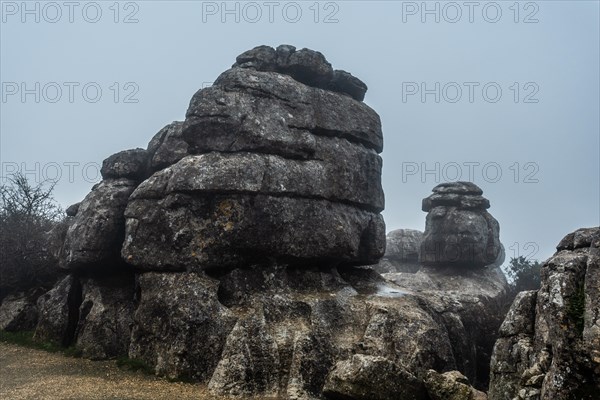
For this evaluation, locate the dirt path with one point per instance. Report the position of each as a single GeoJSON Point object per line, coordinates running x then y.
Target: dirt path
{"type": "Point", "coordinates": [33, 374]}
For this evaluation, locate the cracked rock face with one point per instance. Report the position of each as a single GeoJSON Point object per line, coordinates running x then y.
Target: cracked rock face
{"type": "Point", "coordinates": [95, 233]}
{"type": "Point", "coordinates": [105, 317]}
{"type": "Point", "coordinates": [549, 345]}
{"type": "Point", "coordinates": [270, 164]}
{"type": "Point", "coordinates": [56, 310]}
{"type": "Point", "coordinates": [459, 231]}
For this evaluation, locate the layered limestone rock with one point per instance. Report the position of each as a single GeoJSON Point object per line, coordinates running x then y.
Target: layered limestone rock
{"type": "Point", "coordinates": [549, 345]}
{"type": "Point", "coordinates": [96, 232]}
{"type": "Point", "coordinates": [458, 230]}
{"type": "Point", "coordinates": [226, 252]}
{"type": "Point", "coordinates": [279, 168]}
{"type": "Point", "coordinates": [306, 66]}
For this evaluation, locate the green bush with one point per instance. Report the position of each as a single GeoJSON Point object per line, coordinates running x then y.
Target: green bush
{"type": "Point", "coordinates": [524, 274]}
{"type": "Point", "coordinates": [27, 213]}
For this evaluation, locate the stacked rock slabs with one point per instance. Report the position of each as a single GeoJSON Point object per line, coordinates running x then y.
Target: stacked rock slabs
{"type": "Point", "coordinates": [278, 170]}
{"type": "Point", "coordinates": [459, 232]}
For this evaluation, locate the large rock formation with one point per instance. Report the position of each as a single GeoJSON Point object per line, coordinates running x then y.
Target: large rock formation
{"type": "Point", "coordinates": [459, 231]}
{"type": "Point", "coordinates": [468, 300]}
{"type": "Point", "coordinates": [278, 170]}
{"type": "Point", "coordinates": [549, 345]}
{"type": "Point", "coordinates": [228, 252]}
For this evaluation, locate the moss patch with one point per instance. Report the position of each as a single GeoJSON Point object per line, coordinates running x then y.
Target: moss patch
{"type": "Point", "coordinates": [25, 339]}
{"type": "Point", "coordinates": [134, 364]}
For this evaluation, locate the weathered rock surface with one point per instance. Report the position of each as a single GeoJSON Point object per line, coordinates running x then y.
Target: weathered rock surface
{"type": "Point", "coordinates": [401, 252]}
{"type": "Point", "coordinates": [94, 314]}
{"type": "Point", "coordinates": [58, 310]}
{"type": "Point", "coordinates": [372, 378]}
{"type": "Point", "coordinates": [252, 173]}
{"type": "Point", "coordinates": [459, 231]}
{"type": "Point", "coordinates": [345, 82]}
{"type": "Point", "coordinates": [549, 345]}
{"type": "Point", "coordinates": [278, 330]}
{"type": "Point", "coordinates": [95, 234]}
{"type": "Point", "coordinates": [180, 328]}
{"type": "Point", "coordinates": [305, 65]}
{"type": "Point", "coordinates": [105, 317]}
{"type": "Point", "coordinates": [245, 227]}
{"type": "Point", "coordinates": [277, 167]}
{"type": "Point", "coordinates": [468, 305]}
{"type": "Point", "coordinates": [130, 164]}
{"type": "Point", "coordinates": [166, 147]}
{"type": "Point", "coordinates": [71, 211]}
{"type": "Point", "coordinates": [249, 362]}
{"type": "Point", "coordinates": [18, 312]}
{"type": "Point", "coordinates": [249, 110]}
{"type": "Point", "coordinates": [299, 332]}
{"type": "Point", "coordinates": [451, 385]}
{"type": "Point", "coordinates": [185, 232]}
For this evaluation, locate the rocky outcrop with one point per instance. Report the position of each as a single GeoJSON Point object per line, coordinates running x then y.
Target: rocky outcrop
{"type": "Point", "coordinates": [71, 211]}
{"type": "Point", "coordinates": [58, 312]}
{"type": "Point", "coordinates": [229, 252]}
{"type": "Point", "coordinates": [401, 251]}
{"type": "Point", "coordinates": [166, 147]}
{"type": "Point", "coordinates": [105, 317]}
{"type": "Point", "coordinates": [129, 164]}
{"type": "Point", "coordinates": [306, 66]}
{"type": "Point", "coordinates": [299, 326]}
{"type": "Point", "coordinates": [468, 306]}
{"type": "Point", "coordinates": [459, 231]}
{"type": "Point", "coordinates": [179, 327]}
{"type": "Point", "coordinates": [549, 345]}
{"type": "Point", "coordinates": [372, 378]}
{"type": "Point", "coordinates": [276, 160]}
{"type": "Point", "coordinates": [18, 312]}
{"type": "Point", "coordinates": [451, 385]}
{"type": "Point", "coordinates": [95, 234]}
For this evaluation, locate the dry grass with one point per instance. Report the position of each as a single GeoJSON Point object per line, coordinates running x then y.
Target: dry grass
{"type": "Point", "coordinates": [27, 373]}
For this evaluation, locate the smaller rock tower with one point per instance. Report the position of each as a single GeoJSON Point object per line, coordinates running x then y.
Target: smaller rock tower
{"type": "Point", "coordinates": [459, 232]}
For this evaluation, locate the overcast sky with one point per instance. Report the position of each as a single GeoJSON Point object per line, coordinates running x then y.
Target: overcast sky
{"type": "Point", "coordinates": [505, 95]}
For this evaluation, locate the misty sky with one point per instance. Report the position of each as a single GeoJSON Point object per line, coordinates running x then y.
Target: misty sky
{"type": "Point", "coordinates": [505, 95]}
